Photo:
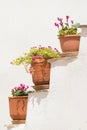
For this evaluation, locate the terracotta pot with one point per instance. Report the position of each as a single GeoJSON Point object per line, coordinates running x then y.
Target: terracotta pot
{"type": "Point", "coordinates": [41, 73]}
{"type": "Point", "coordinates": [18, 107]}
{"type": "Point", "coordinates": [70, 43]}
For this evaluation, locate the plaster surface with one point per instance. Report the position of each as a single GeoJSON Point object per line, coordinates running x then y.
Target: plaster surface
{"type": "Point", "coordinates": [63, 106]}
{"type": "Point", "coordinates": [27, 23]}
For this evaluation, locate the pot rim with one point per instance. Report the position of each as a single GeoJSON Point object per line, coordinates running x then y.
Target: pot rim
{"type": "Point", "coordinates": [18, 97]}
{"type": "Point", "coordinates": [75, 35]}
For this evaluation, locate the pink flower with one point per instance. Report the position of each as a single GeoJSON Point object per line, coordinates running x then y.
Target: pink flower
{"type": "Point", "coordinates": [21, 87]}
{"type": "Point", "coordinates": [31, 69]}
{"type": "Point", "coordinates": [56, 49]}
{"type": "Point", "coordinates": [61, 23]}
{"type": "Point", "coordinates": [67, 17]}
{"type": "Point", "coordinates": [50, 47]}
{"type": "Point", "coordinates": [37, 57]}
{"type": "Point", "coordinates": [56, 24]}
{"type": "Point", "coordinates": [12, 90]}
{"type": "Point", "coordinates": [15, 88]}
{"type": "Point", "coordinates": [11, 62]}
{"type": "Point", "coordinates": [26, 88]}
{"type": "Point", "coordinates": [72, 21]}
{"type": "Point", "coordinates": [59, 19]}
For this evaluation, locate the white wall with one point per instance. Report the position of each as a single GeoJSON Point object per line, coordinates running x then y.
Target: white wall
{"type": "Point", "coordinates": [24, 23]}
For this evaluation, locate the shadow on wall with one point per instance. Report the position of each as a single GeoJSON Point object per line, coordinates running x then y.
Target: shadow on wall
{"type": "Point", "coordinates": [38, 96]}
{"type": "Point", "coordinates": [63, 61]}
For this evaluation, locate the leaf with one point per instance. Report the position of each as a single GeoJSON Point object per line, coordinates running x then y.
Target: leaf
{"type": "Point", "coordinates": [76, 25]}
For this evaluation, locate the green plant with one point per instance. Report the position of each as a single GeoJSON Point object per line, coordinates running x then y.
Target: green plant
{"type": "Point", "coordinates": [66, 28]}
{"type": "Point", "coordinates": [21, 90]}
{"type": "Point", "coordinates": [37, 54]}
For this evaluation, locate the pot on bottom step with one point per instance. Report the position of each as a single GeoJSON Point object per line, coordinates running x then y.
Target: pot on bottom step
{"type": "Point", "coordinates": [18, 107]}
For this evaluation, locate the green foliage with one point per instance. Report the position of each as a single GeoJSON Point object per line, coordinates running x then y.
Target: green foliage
{"type": "Point", "coordinates": [31, 56]}
{"type": "Point", "coordinates": [20, 93]}
{"type": "Point", "coordinates": [67, 31]}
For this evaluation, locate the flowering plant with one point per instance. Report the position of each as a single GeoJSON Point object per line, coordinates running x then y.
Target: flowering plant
{"type": "Point", "coordinates": [21, 90]}
{"type": "Point", "coordinates": [66, 28]}
{"type": "Point", "coordinates": [37, 54]}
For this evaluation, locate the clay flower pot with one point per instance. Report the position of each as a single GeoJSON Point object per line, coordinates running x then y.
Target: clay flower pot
{"type": "Point", "coordinates": [18, 107]}
{"type": "Point", "coordinates": [37, 58]}
{"type": "Point", "coordinates": [41, 74]}
{"type": "Point", "coordinates": [68, 34]}
{"type": "Point", "coordinates": [69, 43]}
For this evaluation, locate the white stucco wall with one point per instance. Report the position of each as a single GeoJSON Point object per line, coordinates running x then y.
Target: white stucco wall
{"type": "Point", "coordinates": [24, 23]}
{"type": "Point", "coordinates": [64, 106]}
